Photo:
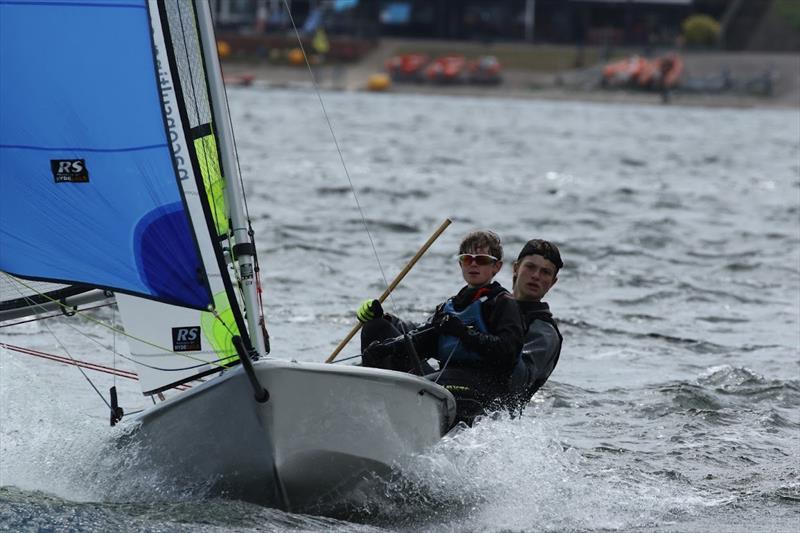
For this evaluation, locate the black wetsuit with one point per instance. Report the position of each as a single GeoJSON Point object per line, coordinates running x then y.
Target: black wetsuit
{"type": "Point", "coordinates": [540, 352]}
{"type": "Point", "coordinates": [477, 385]}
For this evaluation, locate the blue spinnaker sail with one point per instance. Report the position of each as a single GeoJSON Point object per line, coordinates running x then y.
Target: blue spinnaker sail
{"type": "Point", "coordinates": [89, 183]}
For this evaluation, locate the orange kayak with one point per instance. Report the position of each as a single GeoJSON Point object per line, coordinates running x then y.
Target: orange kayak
{"type": "Point", "coordinates": [447, 69]}
{"type": "Point", "coordinates": [637, 72]}
{"type": "Point", "coordinates": [406, 67]}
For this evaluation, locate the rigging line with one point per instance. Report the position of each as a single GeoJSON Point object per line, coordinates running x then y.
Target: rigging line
{"type": "Point", "coordinates": [238, 164]}
{"type": "Point", "coordinates": [446, 362]}
{"type": "Point", "coordinates": [50, 316]}
{"type": "Point", "coordinates": [206, 156]}
{"type": "Point", "coordinates": [235, 151]}
{"type": "Point", "coordinates": [80, 313]}
{"type": "Point", "coordinates": [338, 149]}
{"type": "Point", "coordinates": [76, 364]}
{"type": "Point", "coordinates": [343, 359]}
{"type": "Point", "coordinates": [234, 272]}
{"type": "Point", "coordinates": [224, 325]}
{"type": "Point", "coordinates": [131, 359]}
{"type": "Point", "coordinates": [60, 359]}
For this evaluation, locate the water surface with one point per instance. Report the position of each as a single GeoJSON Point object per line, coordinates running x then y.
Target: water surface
{"type": "Point", "coordinates": [674, 406]}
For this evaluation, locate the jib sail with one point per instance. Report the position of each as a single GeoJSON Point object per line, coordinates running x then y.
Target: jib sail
{"type": "Point", "coordinates": [110, 174]}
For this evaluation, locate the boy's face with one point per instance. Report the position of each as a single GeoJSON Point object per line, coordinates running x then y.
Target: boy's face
{"type": "Point", "coordinates": [479, 275]}
{"type": "Point", "coordinates": [533, 277]}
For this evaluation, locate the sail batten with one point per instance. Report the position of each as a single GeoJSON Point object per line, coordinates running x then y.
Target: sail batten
{"type": "Point", "coordinates": [83, 148]}
{"type": "Point", "coordinates": [72, 3]}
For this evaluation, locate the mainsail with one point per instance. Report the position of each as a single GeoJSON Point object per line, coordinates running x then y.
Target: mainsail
{"type": "Point", "coordinates": [110, 176]}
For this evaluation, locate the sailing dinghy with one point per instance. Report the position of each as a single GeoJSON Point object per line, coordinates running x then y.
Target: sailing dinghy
{"type": "Point", "coordinates": [119, 178]}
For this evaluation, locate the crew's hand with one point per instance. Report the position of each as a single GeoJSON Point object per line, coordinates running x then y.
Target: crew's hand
{"type": "Point", "coordinates": [448, 324]}
{"type": "Point", "coordinates": [375, 354]}
{"type": "Point", "coordinates": [438, 315]}
{"type": "Point", "coordinates": [368, 310]}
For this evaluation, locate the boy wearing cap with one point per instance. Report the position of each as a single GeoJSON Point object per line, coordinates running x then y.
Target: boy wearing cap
{"type": "Point", "coordinates": [534, 273]}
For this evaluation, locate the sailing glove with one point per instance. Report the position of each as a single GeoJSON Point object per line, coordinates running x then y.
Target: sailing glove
{"type": "Point", "coordinates": [447, 324]}
{"type": "Point", "coordinates": [369, 310]}
{"type": "Point", "coordinates": [377, 355]}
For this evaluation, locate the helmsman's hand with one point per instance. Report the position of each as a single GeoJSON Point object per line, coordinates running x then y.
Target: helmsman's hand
{"type": "Point", "coordinates": [369, 310]}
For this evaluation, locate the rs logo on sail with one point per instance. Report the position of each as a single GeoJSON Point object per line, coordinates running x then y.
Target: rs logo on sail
{"type": "Point", "coordinates": [69, 170]}
{"type": "Point", "coordinates": [186, 339]}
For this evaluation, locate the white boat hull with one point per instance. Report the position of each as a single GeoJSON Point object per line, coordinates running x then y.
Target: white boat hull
{"type": "Point", "coordinates": [323, 430]}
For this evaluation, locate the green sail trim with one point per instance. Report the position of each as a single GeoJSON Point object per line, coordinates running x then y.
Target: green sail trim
{"type": "Point", "coordinates": [220, 329]}
{"type": "Point", "coordinates": [208, 159]}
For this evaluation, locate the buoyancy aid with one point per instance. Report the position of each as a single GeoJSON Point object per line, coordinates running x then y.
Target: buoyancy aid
{"type": "Point", "coordinates": [471, 316]}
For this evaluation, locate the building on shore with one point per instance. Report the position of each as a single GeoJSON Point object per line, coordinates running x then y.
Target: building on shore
{"type": "Point", "coordinates": [590, 22]}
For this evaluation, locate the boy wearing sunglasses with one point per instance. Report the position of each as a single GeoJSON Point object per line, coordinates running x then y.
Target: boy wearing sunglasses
{"type": "Point", "coordinates": [476, 336]}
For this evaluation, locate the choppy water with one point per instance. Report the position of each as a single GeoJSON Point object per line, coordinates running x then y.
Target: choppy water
{"type": "Point", "coordinates": [674, 406]}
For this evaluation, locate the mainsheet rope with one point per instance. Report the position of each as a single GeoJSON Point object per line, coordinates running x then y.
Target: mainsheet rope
{"type": "Point", "coordinates": [439, 372]}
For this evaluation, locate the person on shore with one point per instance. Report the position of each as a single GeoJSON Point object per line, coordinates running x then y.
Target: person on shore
{"type": "Point", "coordinates": [534, 273]}
{"type": "Point", "coordinates": [476, 336]}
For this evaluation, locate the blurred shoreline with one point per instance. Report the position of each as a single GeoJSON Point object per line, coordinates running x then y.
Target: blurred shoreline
{"type": "Point", "coordinates": [752, 72]}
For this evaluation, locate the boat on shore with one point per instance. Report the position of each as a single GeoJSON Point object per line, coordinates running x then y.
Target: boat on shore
{"type": "Point", "coordinates": [485, 70]}
{"type": "Point", "coordinates": [447, 69]}
{"type": "Point", "coordinates": [636, 72]}
{"type": "Point", "coordinates": [136, 156]}
{"type": "Point", "coordinates": [407, 67]}
{"type": "Point", "coordinates": [624, 72]}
